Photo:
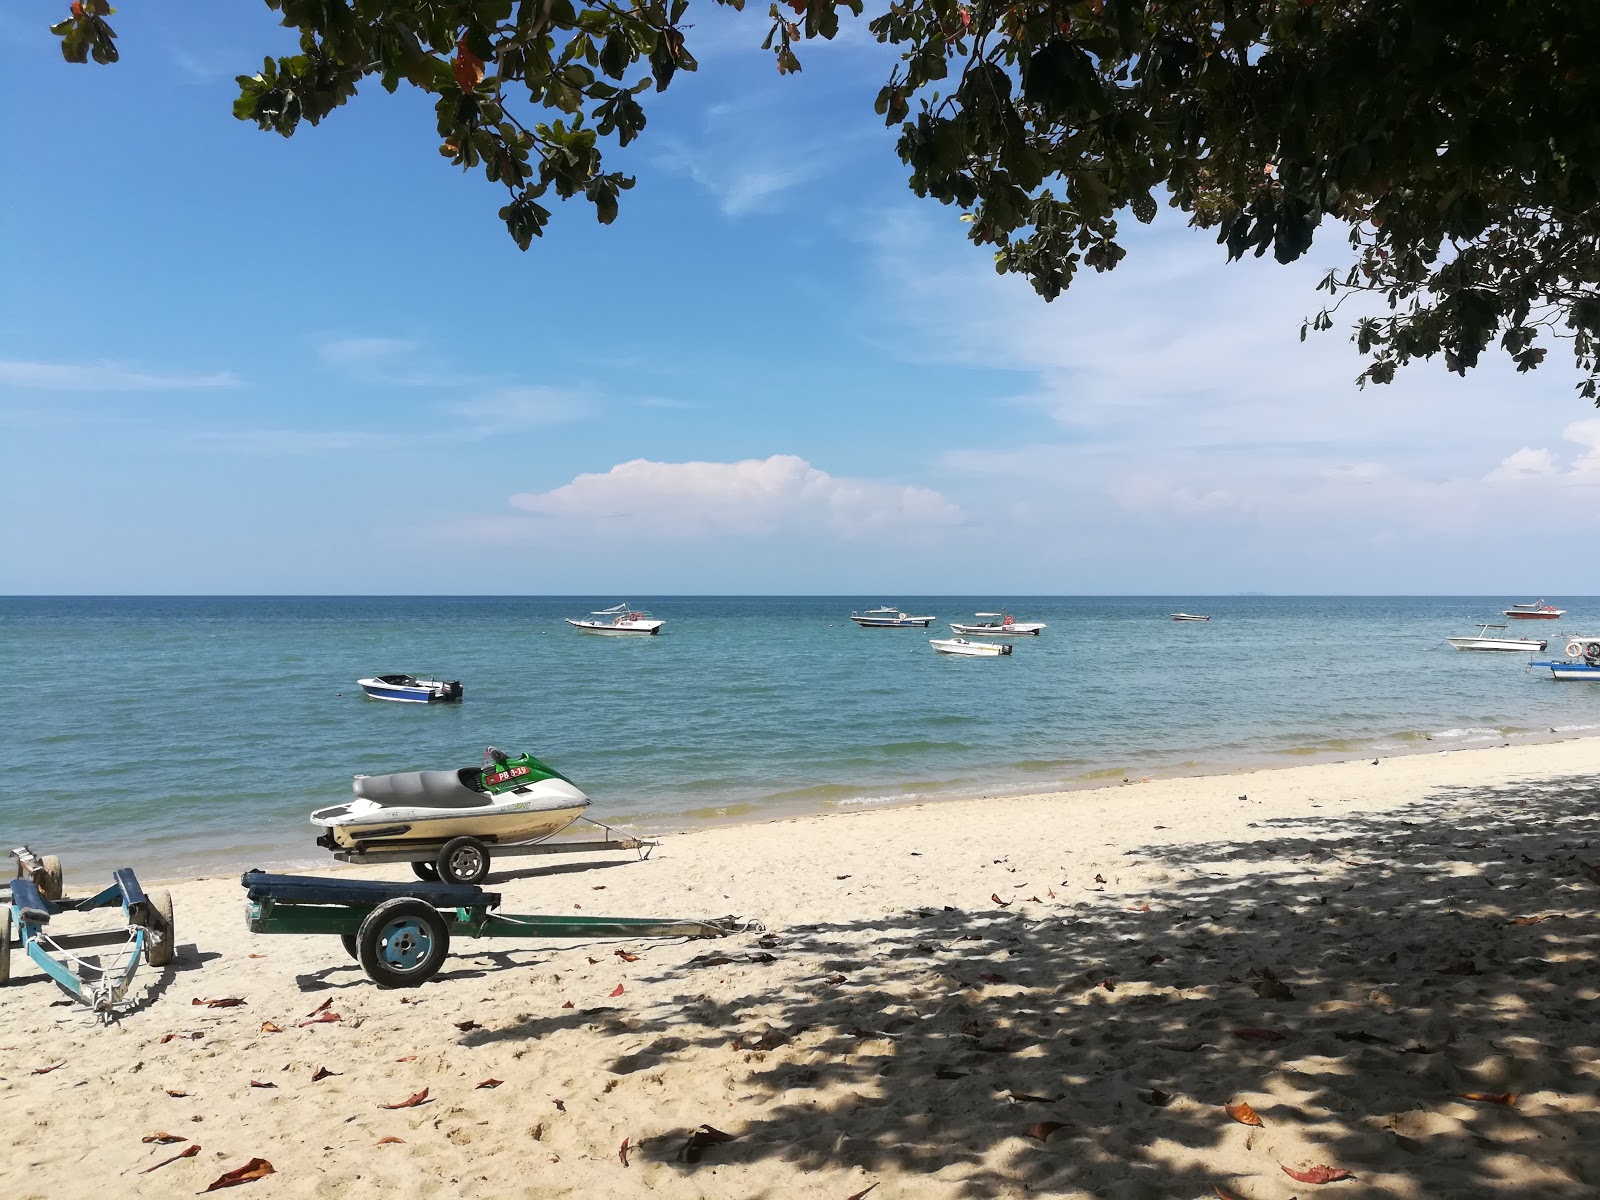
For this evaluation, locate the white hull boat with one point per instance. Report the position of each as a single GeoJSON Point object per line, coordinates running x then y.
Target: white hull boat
{"type": "Point", "coordinates": [510, 802]}
{"type": "Point", "coordinates": [971, 649]}
{"type": "Point", "coordinates": [1585, 670]}
{"type": "Point", "coordinates": [1484, 640]}
{"type": "Point", "coordinates": [408, 689]}
{"type": "Point", "coordinates": [889, 617]}
{"type": "Point", "coordinates": [618, 621]}
{"type": "Point", "coordinates": [1189, 617]}
{"type": "Point", "coordinates": [1003, 624]}
{"type": "Point", "coordinates": [1535, 610]}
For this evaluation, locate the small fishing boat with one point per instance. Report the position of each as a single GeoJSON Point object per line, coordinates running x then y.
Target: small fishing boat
{"type": "Point", "coordinates": [1001, 624]}
{"type": "Point", "coordinates": [506, 801]}
{"type": "Point", "coordinates": [619, 619]}
{"type": "Point", "coordinates": [410, 690]}
{"type": "Point", "coordinates": [889, 617]}
{"type": "Point", "coordinates": [1584, 669]}
{"type": "Point", "coordinates": [1535, 610]}
{"type": "Point", "coordinates": [1484, 640]}
{"type": "Point", "coordinates": [1189, 617]}
{"type": "Point", "coordinates": [971, 649]}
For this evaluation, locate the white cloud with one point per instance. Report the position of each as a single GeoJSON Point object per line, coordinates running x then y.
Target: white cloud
{"type": "Point", "coordinates": [751, 497]}
{"type": "Point", "coordinates": [525, 407]}
{"type": "Point", "coordinates": [105, 377]}
{"type": "Point", "coordinates": [1526, 463]}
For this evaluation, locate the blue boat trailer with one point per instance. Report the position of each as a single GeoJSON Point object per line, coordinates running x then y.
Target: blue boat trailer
{"type": "Point", "coordinates": [400, 932]}
{"type": "Point", "coordinates": [147, 932]}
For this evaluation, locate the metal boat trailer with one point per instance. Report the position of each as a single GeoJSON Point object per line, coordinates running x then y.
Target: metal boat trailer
{"type": "Point", "coordinates": [146, 933]}
{"type": "Point", "coordinates": [465, 860]}
{"type": "Point", "coordinates": [400, 932]}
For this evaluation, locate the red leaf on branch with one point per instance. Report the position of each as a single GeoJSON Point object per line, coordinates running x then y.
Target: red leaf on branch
{"type": "Point", "coordinates": [1317, 1174]}
{"type": "Point", "coordinates": [467, 67]}
{"type": "Point", "coordinates": [256, 1168]}
{"type": "Point", "coordinates": [186, 1152]}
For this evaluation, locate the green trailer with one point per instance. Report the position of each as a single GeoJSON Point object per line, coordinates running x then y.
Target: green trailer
{"type": "Point", "coordinates": [400, 933]}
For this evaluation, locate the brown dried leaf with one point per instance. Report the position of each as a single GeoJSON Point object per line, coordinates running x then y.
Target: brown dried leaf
{"type": "Point", "coordinates": [707, 1135]}
{"type": "Point", "coordinates": [163, 1139]}
{"type": "Point", "coordinates": [324, 1073]}
{"type": "Point", "coordinates": [1317, 1174]}
{"type": "Point", "coordinates": [1259, 1035]}
{"type": "Point", "coordinates": [176, 1095]}
{"type": "Point", "coordinates": [323, 1017]}
{"type": "Point", "coordinates": [861, 1193]}
{"type": "Point", "coordinates": [467, 1026]}
{"type": "Point", "coordinates": [186, 1152]}
{"type": "Point", "coordinates": [1041, 1130]}
{"type": "Point", "coordinates": [186, 1035]}
{"type": "Point", "coordinates": [224, 1002]}
{"type": "Point", "coordinates": [269, 1027]}
{"type": "Point", "coordinates": [1221, 1195]}
{"type": "Point", "coordinates": [1507, 1098]}
{"type": "Point", "coordinates": [256, 1168]}
{"type": "Point", "coordinates": [1244, 1114]}
{"type": "Point", "coordinates": [407, 1058]}
{"type": "Point", "coordinates": [1026, 1098]}
{"type": "Point", "coordinates": [622, 1152]}
{"type": "Point", "coordinates": [995, 896]}
{"type": "Point", "coordinates": [1180, 1047]}
{"type": "Point", "coordinates": [259, 1084]}
{"type": "Point", "coordinates": [488, 1083]}
{"type": "Point", "coordinates": [390, 1141]}
{"type": "Point", "coordinates": [47, 1070]}
{"type": "Point", "coordinates": [1099, 878]}
{"type": "Point", "coordinates": [411, 1101]}
{"type": "Point", "coordinates": [625, 956]}
{"type": "Point", "coordinates": [616, 991]}
{"type": "Point", "coordinates": [1156, 1098]}
{"type": "Point", "coordinates": [568, 1004]}
{"type": "Point", "coordinates": [946, 1073]}
{"type": "Point", "coordinates": [326, 1003]}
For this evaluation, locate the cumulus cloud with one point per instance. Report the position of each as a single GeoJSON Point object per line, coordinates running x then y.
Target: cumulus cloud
{"type": "Point", "coordinates": [754, 496]}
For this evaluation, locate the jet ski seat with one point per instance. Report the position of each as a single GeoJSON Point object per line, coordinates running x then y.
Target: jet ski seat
{"type": "Point", "coordinates": [422, 789]}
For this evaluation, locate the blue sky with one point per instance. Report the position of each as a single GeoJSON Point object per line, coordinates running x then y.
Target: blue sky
{"type": "Point", "coordinates": [231, 362]}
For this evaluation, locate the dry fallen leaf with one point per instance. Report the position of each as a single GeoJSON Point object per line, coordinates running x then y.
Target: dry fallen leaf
{"type": "Point", "coordinates": [410, 1102]}
{"type": "Point", "coordinates": [625, 956]}
{"type": "Point", "coordinates": [47, 1070]}
{"type": "Point", "coordinates": [1042, 1130]}
{"type": "Point", "coordinates": [995, 896]}
{"type": "Point", "coordinates": [320, 1007]}
{"type": "Point", "coordinates": [1017, 1097]}
{"type": "Point", "coordinates": [256, 1168]}
{"type": "Point", "coordinates": [1156, 1098]}
{"type": "Point", "coordinates": [706, 1135]}
{"type": "Point", "coordinates": [861, 1193]}
{"type": "Point", "coordinates": [269, 1027]}
{"type": "Point", "coordinates": [187, 1035]}
{"type": "Point", "coordinates": [1217, 1187]}
{"type": "Point", "coordinates": [467, 1026]}
{"type": "Point", "coordinates": [407, 1058]}
{"type": "Point", "coordinates": [1260, 1035]}
{"type": "Point", "coordinates": [259, 1084]}
{"type": "Point", "coordinates": [616, 991]}
{"type": "Point", "coordinates": [224, 1002]}
{"type": "Point", "coordinates": [1317, 1174]}
{"type": "Point", "coordinates": [176, 1095]}
{"type": "Point", "coordinates": [186, 1152]}
{"type": "Point", "coordinates": [323, 1073]}
{"type": "Point", "coordinates": [1099, 878]}
{"type": "Point", "coordinates": [945, 1073]}
{"type": "Point", "coordinates": [1490, 1097]}
{"type": "Point", "coordinates": [1244, 1114]}
{"type": "Point", "coordinates": [255, 955]}
{"type": "Point", "coordinates": [568, 1004]}
{"type": "Point", "coordinates": [390, 1141]}
{"type": "Point", "coordinates": [163, 1138]}
{"type": "Point", "coordinates": [488, 1083]}
{"type": "Point", "coordinates": [1181, 1047]}
{"type": "Point", "coordinates": [622, 1152]}
{"type": "Point", "coordinates": [323, 1017]}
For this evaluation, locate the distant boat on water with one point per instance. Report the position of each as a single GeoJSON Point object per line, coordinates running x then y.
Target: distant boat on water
{"type": "Point", "coordinates": [1003, 624]}
{"type": "Point", "coordinates": [619, 619]}
{"type": "Point", "coordinates": [1484, 640]}
{"type": "Point", "coordinates": [1189, 617]}
{"type": "Point", "coordinates": [1535, 610]}
{"type": "Point", "coordinates": [889, 617]}
{"type": "Point", "coordinates": [961, 646]}
{"type": "Point", "coordinates": [409, 689]}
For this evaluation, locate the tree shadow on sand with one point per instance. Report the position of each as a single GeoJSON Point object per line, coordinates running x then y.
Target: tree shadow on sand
{"type": "Point", "coordinates": [1352, 978]}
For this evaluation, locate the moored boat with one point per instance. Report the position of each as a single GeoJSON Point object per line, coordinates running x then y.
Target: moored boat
{"type": "Point", "coordinates": [1565, 669]}
{"type": "Point", "coordinates": [1189, 617]}
{"type": "Point", "coordinates": [507, 801]}
{"type": "Point", "coordinates": [889, 617]}
{"type": "Point", "coordinates": [971, 649]}
{"type": "Point", "coordinates": [1535, 610]}
{"type": "Point", "coordinates": [1484, 640]}
{"type": "Point", "coordinates": [619, 619]}
{"type": "Point", "coordinates": [1002, 624]}
{"type": "Point", "coordinates": [409, 689]}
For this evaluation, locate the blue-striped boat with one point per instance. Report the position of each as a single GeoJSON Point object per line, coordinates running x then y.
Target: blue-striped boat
{"type": "Point", "coordinates": [411, 690]}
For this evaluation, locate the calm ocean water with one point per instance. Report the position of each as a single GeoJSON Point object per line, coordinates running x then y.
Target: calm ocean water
{"type": "Point", "coordinates": [195, 733]}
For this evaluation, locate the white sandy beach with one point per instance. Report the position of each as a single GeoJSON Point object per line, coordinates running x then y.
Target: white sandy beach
{"type": "Point", "coordinates": [936, 981]}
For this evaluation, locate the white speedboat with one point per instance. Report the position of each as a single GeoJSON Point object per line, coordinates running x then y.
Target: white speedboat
{"type": "Point", "coordinates": [889, 617]}
{"type": "Point", "coordinates": [507, 801]}
{"type": "Point", "coordinates": [1535, 610]}
{"type": "Point", "coordinates": [1001, 624]}
{"type": "Point", "coordinates": [618, 620]}
{"type": "Point", "coordinates": [1484, 640]}
{"type": "Point", "coordinates": [1189, 617]}
{"type": "Point", "coordinates": [410, 690]}
{"type": "Point", "coordinates": [972, 649]}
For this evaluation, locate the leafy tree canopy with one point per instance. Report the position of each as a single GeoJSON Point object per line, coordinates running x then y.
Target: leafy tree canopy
{"type": "Point", "coordinates": [1455, 140]}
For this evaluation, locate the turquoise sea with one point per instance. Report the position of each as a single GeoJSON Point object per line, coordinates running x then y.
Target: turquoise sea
{"type": "Point", "coordinates": [189, 734]}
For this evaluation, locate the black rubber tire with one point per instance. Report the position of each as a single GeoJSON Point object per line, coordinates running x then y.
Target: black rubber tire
{"type": "Point", "coordinates": [50, 877]}
{"type": "Point", "coordinates": [5, 945]}
{"type": "Point", "coordinates": [402, 943]}
{"type": "Point", "coordinates": [348, 941]}
{"type": "Point", "coordinates": [425, 871]}
{"type": "Point", "coordinates": [463, 860]}
{"type": "Point", "coordinates": [160, 936]}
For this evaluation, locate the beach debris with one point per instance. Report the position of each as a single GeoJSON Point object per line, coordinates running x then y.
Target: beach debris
{"type": "Point", "coordinates": [1156, 1098]}
{"type": "Point", "coordinates": [188, 1035]}
{"type": "Point", "coordinates": [1109, 984]}
{"type": "Point", "coordinates": [995, 896]}
{"type": "Point", "coordinates": [616, 991]}
{"type": "Point", "coordinates": [1317, 1174]}
{"type": "Point", "coordinates": [1099, 878]}
{"type": "Point", "coordinates": [622, 1152]}
{"type": "Point", "coordinates": [163, 1138]}
{"type": "Point", "coordinates": [390, 1141]}
{"type": "Point", "coordinates": [1362, 1036]}
{"type": "Point", "coordinates": [488, 1083]}
{"type": "Point", "coordinates": [259, 1084]}
{"type": "Point", "coordinates": [323, 1073]}
{"type": "Point", "coordinates": [1041, 1130]}
{"type": "Point", "coordinates": [1221, 1193]}
{"type": "Point", "coordinates": [325, 1017]}
{"type": "Point", "coordinates": [410, 1101]}
{"type": "Point", "coordinates": [1180, 1047]}
{"type": "Point", "coordinates": [466, 1026]}
{"type": "Point", "coordinates": [269, 1027]}
{"type": "Point", "coordinates": [328, 1003]}
{"type": "Point", "coordinates": [62, 1003]}
{"type": "Point", "coordinates": [407, 1058]}
{"type": "Point", "coordinates": [1259, 1035]}
{"type": "Point", "coordinates": [175, 1094]}
{"type": "Point", "coordinates": [1508, 1098]}
{"type": "Point", "coordinates": [1270, 987]}
{"type": "Point", "coordinates": [1152, 959]}
{"type": "Point", "coordinates": [861, 1193]}
{"type": "Point", "coordinates": [706, 1135]}
{"type": "Point", "coordinates": [625, 956]}
{"type": "Point", "coordinates": [256, 1168]}
{"type": "Point", "coordinates": [186, 1152]}
{"type": "Point", "coordinates": [1244, 1114]}
{"type": "Point", "coordinates": [255, 955]}
{"type": "Point", "coordinates": [223, 1002]}
{"type": "Point", "coordinates": [568, 1004]}
{"type": "Point", "coordinates": [47, 1070]}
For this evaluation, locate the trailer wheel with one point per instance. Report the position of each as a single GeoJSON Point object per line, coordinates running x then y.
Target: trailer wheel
{"type": "Point", "coordinates": [160, 938]}
{"type": "Point", "coordinates": [425, 871]}
{"type": "Point", "coordinates": [348, 940]}
{"type": "Point", "coordinates": [463, 860]}
{"type": "Point", "coordinates": [402, 943]}
{"type": "Point", "coordinates": [5, 946]}
{"type": "Point", "coordinates": [50, 877]}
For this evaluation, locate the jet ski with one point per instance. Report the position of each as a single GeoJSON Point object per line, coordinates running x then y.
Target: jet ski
{"type": "Point", "coordinates": [507, 801]}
